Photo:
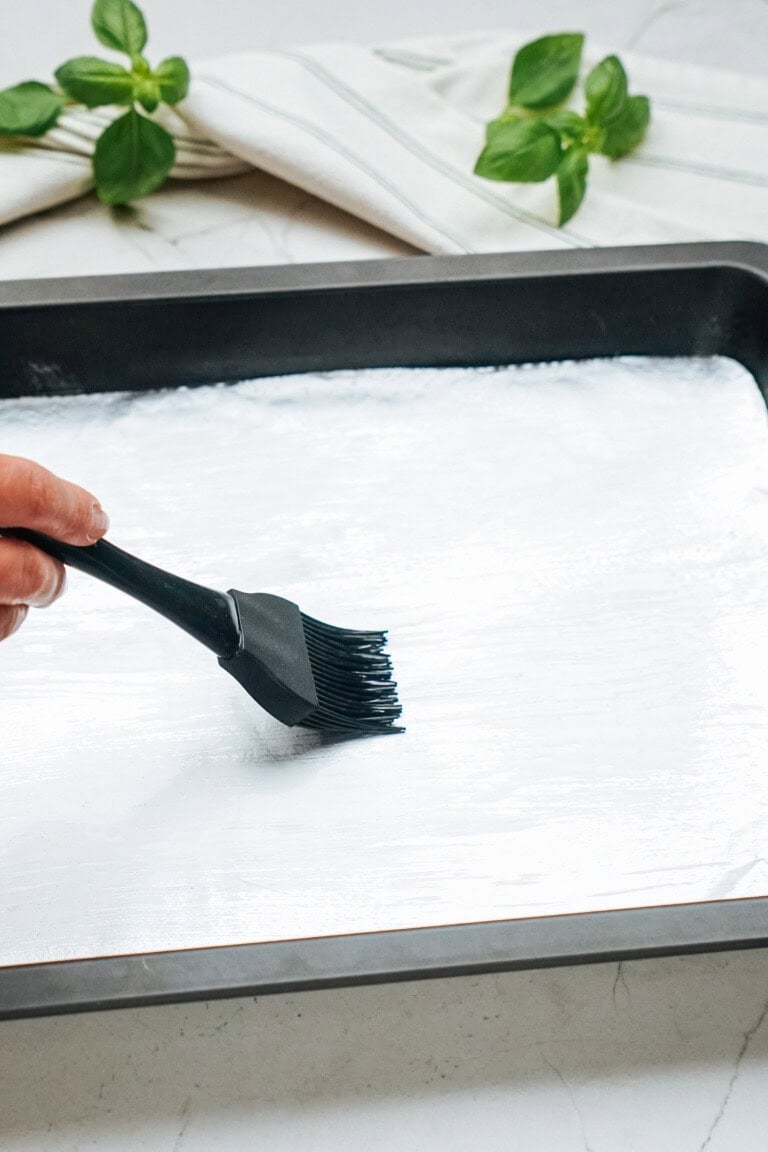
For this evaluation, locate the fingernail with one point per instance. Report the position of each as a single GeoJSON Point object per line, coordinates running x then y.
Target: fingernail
{"type": "Point", "coordinates": [51, 590]}
{"type": "Point", "coordinates": [99, 522]}
{"type": "Point", "coordinates": [21, 615]}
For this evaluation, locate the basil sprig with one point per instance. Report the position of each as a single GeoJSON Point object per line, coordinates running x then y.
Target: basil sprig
{"type": "Point", "coordinates": [535, 138]}
{"type": "Point", "coordinates": [134, 154]}
{"type": "Point", "coordinates": [29, 109]}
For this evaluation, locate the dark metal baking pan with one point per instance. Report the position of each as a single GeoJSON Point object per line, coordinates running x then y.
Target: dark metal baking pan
{"type": "Point", "coordinates": [142, 332]}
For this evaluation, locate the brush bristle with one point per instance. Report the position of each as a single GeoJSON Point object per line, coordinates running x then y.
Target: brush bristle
{"type": "Point", "coordinates": [353, 680]}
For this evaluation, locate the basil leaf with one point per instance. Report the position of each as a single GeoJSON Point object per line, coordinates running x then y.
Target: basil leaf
{"type": "Point", "coordinates": [172, 75]}
{"type": "Point", "coordinates": [93, 82]}
{"type": "Point", "coordinates": [147, 93]}
{"type": "Point", "coordinates": [526, 151]}
{"type": "Point", "coordinates": [494, 126]}
{"type": "Point", "coordinates": [544, 72]}
{"type": "Point", "coordinates": [571, 182]}
{"type": "Point", "coordinates": [570, 125]}
{"type": "Point", "coordinates": [29, 109]}
{"type": "Point", "coordinates": [624, 134]}
{"type": "Point", "coordinates": [606, 91]}
{"type": "Point", "coordinates": [132, 158]}
{"type": "Point", "coordinates": [120, 25]}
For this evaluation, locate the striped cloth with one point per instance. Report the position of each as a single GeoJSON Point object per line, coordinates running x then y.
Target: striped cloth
{"type": "Point", "coordinates": [391, 135]}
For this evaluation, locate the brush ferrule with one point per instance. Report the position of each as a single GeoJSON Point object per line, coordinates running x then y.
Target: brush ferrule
{"type": "Point", "coordinates": [271, 660]}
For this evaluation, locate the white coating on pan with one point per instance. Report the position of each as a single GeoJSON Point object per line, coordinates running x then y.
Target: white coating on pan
{"type": "Point", "coordinates": [572, 561]}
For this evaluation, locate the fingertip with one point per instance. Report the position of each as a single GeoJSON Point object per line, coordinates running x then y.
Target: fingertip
{"type": "Point", "coordinates": [61, 586]}
{"type": "Point", "coordinates": [28, 576]}
{"type": "Point", "coordinates": [86, 521]}
{"type": "Point", "coordinates": [99, 525]}
{"type": "Point", "coordinates": [12, 616]}
{"type": "Point", "coordinates": [22, 611]}
{"type": "Point", "coordinates": [50, 584]}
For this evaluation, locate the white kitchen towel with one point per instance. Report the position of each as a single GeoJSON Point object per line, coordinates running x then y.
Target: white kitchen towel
{"type": "Point", "coordinates": [391, 135]}
{"type": "Point", "coordinates": [38, 174]}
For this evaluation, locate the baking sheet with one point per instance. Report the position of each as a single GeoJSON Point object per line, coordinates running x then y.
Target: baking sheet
{"type": "Point", "coordinates": [570, 560]}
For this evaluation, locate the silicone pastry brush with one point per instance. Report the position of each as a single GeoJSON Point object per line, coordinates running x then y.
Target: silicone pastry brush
{"type": "Point", "coordinates": [297, 668]}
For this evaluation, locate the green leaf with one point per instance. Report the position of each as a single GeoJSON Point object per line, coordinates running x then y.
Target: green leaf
{"type": "Point", "coordinates": [494, 126]}
{"type": "Point", "coordinates": [624, 134]}
{"type": "Point", "coordinates": [29, 109]}
{"type": "Point", "coordinates": [147, 92]}
{"type": "Point", "coordinates": [544, 72]}
{"type": "Point", "coordinates": [120, 25]}
{"type": "Point", "coordinates": [527, 151]}
{"type": "Point", "coordinates": [570, 125]}
{"type": "Point", "coordinates": [571, 182]}
{"type": "Point", "coordinates": [92, 82]}
{"type": "Point", "coordinates": [132, 158]}
{"type": "Point", "coordinates": [606, 90]}
{"type": "Point", "coordinates": [173, 77]}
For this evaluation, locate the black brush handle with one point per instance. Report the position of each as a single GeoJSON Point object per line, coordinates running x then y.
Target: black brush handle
{"type": "Point", "coordinates": [209, 616]}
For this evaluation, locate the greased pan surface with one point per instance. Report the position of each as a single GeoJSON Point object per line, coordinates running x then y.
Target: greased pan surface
{"type": "Point", "coordinates": [85, 991]}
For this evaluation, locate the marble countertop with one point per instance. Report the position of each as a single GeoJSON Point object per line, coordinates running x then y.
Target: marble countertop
{"type": "Point", "coordinates": [669, 1054]}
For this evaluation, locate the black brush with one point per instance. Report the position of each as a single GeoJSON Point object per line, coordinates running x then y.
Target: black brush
{"type": "Point", "coordinates": [297, 668]}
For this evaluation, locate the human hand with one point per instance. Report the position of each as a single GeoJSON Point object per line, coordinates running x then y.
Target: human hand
{"type": "Point", "coordinates": [32, 497]}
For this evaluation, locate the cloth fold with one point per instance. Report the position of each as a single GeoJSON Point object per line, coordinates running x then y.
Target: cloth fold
{"type": "Point", "coordinates": [391, 134]}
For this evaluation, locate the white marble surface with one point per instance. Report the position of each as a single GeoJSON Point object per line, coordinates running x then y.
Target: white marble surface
{"type": "Point", "coordinates": [663, 1056]}
{"type": "Point", "coordinates": [669, 1054]}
